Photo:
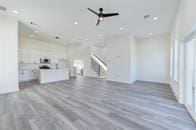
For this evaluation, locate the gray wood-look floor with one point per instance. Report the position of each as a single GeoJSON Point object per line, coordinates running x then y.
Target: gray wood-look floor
{"type": "Point", "coordinates": [93, 104]}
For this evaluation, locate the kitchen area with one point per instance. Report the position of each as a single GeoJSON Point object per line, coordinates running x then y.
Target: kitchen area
{"type": "Point", "coordinates": [46, 65]}
{"type": "Point", "coordinates": [44, 72]}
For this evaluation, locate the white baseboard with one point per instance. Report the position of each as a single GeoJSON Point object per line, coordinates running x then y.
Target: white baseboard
{"type": "Point", "coordinates": [4, 91]}
{"type": "Point", "coordinates": [174, 86]}
{"type": "Point", "coordinates": [125, 82]}
{"type": "Point", "coordinates": [191, 113]}
{"type": "Point", "coordinates": [154, 81]}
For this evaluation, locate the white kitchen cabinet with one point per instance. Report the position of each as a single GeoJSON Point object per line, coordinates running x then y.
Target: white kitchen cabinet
{"type": "Point", "coordinates": [34, 57]}
{"type": "Point", "coordinates": [25, 57]}
{"type": "Point", "coordinates": [28, 56]}
{"type": "Point", "coordinates": [20, 59]}
{"type": "Point", "coordinates": [33, 75]}
{"type": "Point", "coordinates": [28, 75]}
{"type": "Point", "coordinates": [54, 58]}
{"type": "Point", "coordinates": [53, 75]}
{"type": "Point", "coordinates": [23, 75]}
{"type": "Point", "coordinates": [45, 55]}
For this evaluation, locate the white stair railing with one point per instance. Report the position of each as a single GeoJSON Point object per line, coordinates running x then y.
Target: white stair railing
{"type": "Point", "coordinates": [98, 66]}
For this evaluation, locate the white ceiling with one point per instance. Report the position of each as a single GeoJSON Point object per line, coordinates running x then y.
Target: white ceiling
{"type": "Point", "coordinates": [57, 17]}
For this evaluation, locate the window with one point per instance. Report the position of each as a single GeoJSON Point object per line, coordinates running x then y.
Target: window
{"type": "Point", "coordinates": [190, 62]}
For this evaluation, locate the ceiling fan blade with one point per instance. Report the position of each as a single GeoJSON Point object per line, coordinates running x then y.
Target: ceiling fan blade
{"type": "Point", "coordinates": [94, 12]}
{"type": "Point", "coordinates": [98, 21]}
{"type": "Point", "coordinates": [2, 8]}
{"type": "Point", "coordinates": [110, 15]}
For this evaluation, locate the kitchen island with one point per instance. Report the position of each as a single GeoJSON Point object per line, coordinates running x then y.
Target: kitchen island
{"type": "Point", "coordinates": [53, 75]}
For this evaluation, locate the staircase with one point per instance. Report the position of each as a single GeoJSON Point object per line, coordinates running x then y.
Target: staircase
{"type": "Point", "coordinates": [98, 66]}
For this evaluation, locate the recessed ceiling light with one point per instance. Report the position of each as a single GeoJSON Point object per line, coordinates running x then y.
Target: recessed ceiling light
{"type": "Point", "coordinates": [150, 33]}
{"type": "Point", "coordinates": [15, 11]}
{"type": "Point", "coordinates": [75, 23]}
{"type": "Point", "coordinates": [36, 31]}
{"type": "Point", "coordinates": [155, 18]}
{"type": "Point", "coordinates": [87, 39]}
{"type": "Point", "coordinates": [121, 28]}
{"type": "Point", "coordinates": [99, 35]}
{"type": "Point", "coordinates": [31, 36]}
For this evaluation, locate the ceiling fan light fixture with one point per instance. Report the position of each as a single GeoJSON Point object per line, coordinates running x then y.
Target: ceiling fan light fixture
{"type": "Point", "coordinates": [101, 18]}
{"type": "Point", "coordinates": [102, 15]}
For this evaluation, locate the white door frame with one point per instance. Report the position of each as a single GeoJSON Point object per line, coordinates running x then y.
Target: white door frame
{"type": "Point", "coordinates": [182, 79]}
{"type": "Point", "coordinates": [181, 72]}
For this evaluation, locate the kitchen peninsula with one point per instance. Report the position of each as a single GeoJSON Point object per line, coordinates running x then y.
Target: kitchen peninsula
{"type": "Point", "coordinates": [53, 75]}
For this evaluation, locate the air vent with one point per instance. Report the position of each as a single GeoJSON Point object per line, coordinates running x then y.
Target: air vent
{"type": "Point", "coordinates": [57, 37]}
{"type": "Point", "coordinates": [32, 23]}
{"type": "Point", "coordinates": [2, 8]}
{"type": "Point", "coordinates": [146, 16]}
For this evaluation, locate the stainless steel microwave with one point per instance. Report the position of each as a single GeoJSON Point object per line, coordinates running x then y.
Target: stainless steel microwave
{"type": "Point", "coordinates": [45, 61]}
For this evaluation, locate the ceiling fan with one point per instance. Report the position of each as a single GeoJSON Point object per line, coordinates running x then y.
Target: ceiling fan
{"type": "Point", "coordinates": [102, 15]}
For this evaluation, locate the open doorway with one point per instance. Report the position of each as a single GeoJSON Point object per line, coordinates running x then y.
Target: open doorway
{"type": "Point", "coordinates": [79, 65]}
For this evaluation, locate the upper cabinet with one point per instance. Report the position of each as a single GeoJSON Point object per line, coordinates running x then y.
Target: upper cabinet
{"type": "Point", "coordinates": [32, 56]}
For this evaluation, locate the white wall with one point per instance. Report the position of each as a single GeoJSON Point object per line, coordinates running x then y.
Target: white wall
{"type": "Point", "coordinates": [8, 55]}
{"type": "Point", "coordinates": [119, 57]}
{"type": "Point", "coordinates": [133, 60]}
{"type": "Point", "coordinates": [31, 50]}
{"type": "Point", "coordinates": [153, 59]}
{"type": "Point", "coordinates": [99, 52]}
{"type": "Point", "coordinates": [183, 25]}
